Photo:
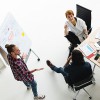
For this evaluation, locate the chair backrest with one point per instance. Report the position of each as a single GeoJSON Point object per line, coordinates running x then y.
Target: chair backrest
{"type": "Point", "coordinates": [83, 83]}
{"type": "Point", "coordinates": [84, 14]}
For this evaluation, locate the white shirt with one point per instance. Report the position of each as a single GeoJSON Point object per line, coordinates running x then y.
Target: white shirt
{"type": "Point", "coordinates": [78, 28]}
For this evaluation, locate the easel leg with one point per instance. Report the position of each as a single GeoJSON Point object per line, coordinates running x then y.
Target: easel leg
{"type": "Point", "coordinates": [29, 55]}
{"type": "Point", "coordinates": [35, 54]}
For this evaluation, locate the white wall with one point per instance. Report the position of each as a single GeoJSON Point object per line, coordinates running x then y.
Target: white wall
{"type": "Point", "coordinates": [43, 21]}
{"type": "Point", "coordinates": [45, 18]}
{"type": "Point", "coordinates": [36, 16]}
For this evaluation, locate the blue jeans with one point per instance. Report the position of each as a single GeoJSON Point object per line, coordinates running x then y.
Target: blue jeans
{"type": "Point", "coordinates": [33, 84]}
{"type": "Point", "coordinates": [59, 70]}
{"type": "Point", "coordinates": [27, 84]}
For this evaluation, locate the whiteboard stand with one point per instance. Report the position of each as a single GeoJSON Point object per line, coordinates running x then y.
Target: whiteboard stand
{"type": "Point", "coordinates": [4, 55]}
{"type": "Point", "coordinates": [2, 65]}
{"type": "Point", "coordinates": [29, 55]}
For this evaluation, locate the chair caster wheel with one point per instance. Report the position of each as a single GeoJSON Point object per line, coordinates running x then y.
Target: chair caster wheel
{"type": "Point", "coordinates": [38, 59]}
{"type": "Point", "coordinates": [90, 97]}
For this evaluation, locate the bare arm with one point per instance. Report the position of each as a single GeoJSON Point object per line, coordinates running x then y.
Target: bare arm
{"type": "Point", "coordinates": [65, 30]}
{"type": "Point", "coordinates": [85, 32]}
{"type": "Point", "coordinates": [36, 70]}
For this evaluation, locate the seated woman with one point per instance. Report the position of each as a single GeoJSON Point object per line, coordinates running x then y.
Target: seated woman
{"type": "Point", "coordinates": [75, 29]}
{"type": "Point", "coordinates": [74, 71]}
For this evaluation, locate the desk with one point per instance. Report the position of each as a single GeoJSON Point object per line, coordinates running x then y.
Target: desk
{"type": "Point", "coordinates": [91, 40]}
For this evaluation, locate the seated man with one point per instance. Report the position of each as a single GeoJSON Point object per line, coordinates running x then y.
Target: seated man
{"type": "Point", "coordinates": [74, 71]}
{"type": "Point", "coordinates": [21, 71]}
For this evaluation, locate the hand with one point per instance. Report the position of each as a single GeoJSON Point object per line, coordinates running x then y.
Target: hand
{"type": "Point", "coordinates": [65, 30]}
{"type": "Point", "coordinates": [68, 61]}
{"type": "Point", "coordinates": [70, 57]}
{"type": "Point", "coordinates": [86, 35]}
{"type": "Point", "coordinates": [24, 56]}
{"type": "Point", "coordinates": [65, 26]}
{"type": "Point", "coordinates": [36, 70]}
{"type": "Point", "coordinates": [39, 69]}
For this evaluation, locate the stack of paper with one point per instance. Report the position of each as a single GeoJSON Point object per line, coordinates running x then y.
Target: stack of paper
{"type": "Point", "coordinates": [87, 50]}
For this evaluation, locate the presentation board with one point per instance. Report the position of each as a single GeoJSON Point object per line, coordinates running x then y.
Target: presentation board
{"type": "Point", "coordinates": [12, 33]}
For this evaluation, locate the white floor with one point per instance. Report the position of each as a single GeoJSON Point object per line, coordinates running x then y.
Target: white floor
{"type": "Point", "coordinates": [49, 83]}
{"type": "Point", "coordinates": [44, 26]}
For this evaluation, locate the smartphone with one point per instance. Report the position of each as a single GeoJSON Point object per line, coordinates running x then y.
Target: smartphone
{"type": "Point", "coordinates": [97, 56]}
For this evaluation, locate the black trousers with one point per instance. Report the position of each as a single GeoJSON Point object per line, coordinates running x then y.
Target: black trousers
{"type": "Point", "coordinates": [74, 40]}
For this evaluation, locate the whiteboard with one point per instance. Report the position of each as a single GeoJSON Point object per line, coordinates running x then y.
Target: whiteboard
{"type": "Point", "coordinates": [12, 33]}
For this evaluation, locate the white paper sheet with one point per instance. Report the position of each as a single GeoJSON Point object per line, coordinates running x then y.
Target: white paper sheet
{"type": "Point", "coordinates": [87, 49]}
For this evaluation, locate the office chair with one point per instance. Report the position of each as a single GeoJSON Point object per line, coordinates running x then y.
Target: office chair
{"type": "Point", "coordinates": [84, 14]}
{"type": "Point", "coordinates": [76, 87]}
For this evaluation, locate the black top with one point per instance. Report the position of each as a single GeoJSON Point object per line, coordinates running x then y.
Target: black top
{"type": "Point", "coordinates": [78, 73]}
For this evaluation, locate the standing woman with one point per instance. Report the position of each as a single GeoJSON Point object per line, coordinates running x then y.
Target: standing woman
{"type": "Point", "coordinates": [75, 30]}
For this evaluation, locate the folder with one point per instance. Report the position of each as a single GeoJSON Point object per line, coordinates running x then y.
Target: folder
{"type": "Point", "coordinates": [87, 50]}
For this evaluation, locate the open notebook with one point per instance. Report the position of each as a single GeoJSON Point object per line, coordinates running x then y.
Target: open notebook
{"type": "Point", "coordinates": [87, 50]}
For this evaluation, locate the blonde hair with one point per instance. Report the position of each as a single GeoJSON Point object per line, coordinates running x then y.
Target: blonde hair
{"type": "Point", "coordinates": [69, 12]}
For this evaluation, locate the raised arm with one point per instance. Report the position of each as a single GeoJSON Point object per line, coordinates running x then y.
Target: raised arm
{"type": "Point", "coordinates": [84, 27]}
{"type": "Point", "coordinates": [65, 30]}
{"type": "Point", "coordinates": [85, 32]}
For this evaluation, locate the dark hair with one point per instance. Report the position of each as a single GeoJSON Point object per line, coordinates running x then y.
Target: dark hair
{"type": "Point", "coordinates": [9, 48]}
{"type": "Point", "coordinates": [77, 57]}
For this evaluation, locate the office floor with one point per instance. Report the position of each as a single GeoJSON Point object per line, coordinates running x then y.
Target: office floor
{"type": "Point", "coordinates": [48, 42]}
{"type": "Point", "coordinates": [49, 83]}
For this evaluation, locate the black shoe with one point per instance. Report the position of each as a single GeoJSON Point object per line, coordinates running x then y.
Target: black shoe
{"type": "Point", "coordinates": [69, 47]}
{"type": "Point", "coordinates": [29, 87]}
{"type": "Point", "coordinates": [49, 63]}
{"type": "Point", "coordinates": [75, 45]}
{"type": "Point", "coordinates": [72, 46]}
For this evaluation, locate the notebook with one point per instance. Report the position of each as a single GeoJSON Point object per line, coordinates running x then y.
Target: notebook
{"type": "Point", "coordinates": [87, 50]}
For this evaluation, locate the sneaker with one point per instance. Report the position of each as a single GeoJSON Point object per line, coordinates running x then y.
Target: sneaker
{"type": "Point", "coordinates": [29, 87]}
{"type": "Point", "coordinates": [39, 97]}
{"type": "Point", "coordinates": [72, 46]}
{"type": "Point", "coordinates": [49, 63]}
